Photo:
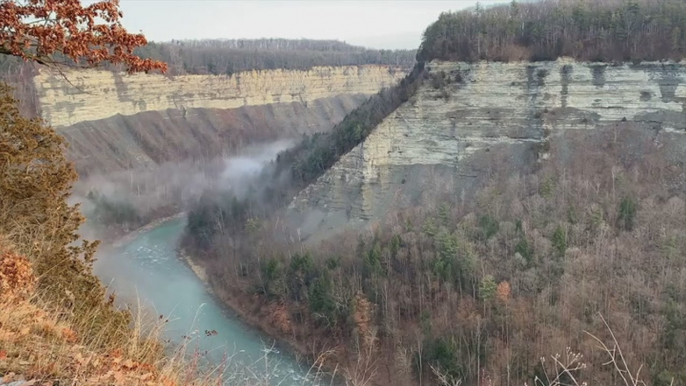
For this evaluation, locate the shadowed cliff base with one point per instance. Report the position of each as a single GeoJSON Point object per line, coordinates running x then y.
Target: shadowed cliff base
{"type": "Point", "coordinates": [147, 139]}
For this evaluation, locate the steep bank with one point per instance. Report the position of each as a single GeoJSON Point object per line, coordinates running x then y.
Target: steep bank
{"type": "Point", "coordinates": [442, 136]}
{"type": "Point", "coordinates": [116, 122]}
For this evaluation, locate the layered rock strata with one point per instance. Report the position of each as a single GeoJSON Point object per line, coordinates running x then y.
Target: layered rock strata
{"type": "Point", "coordinates": [444, 133]}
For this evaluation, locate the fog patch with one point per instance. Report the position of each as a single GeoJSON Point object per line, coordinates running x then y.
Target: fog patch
{"type": "Point", "coordinates": [123, 201]}
{"type": "Point", "coordinates": [242, 170]}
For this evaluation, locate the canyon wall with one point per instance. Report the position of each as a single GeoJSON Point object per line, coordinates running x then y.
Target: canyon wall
{"type": "Point", "coordinates": [468, 120]}
{"type": "Point", "coordinates": [117, 121]}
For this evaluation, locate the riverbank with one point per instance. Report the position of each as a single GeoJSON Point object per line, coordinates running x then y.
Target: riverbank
{"type": "Point", "coordinates": [199, 270]}
{"type": "Point", "coordinates": [121, 239]}
{"type": "Point", "coordinates": [42, 342]}
{"type": "Point", "coordinates": [265, 317]}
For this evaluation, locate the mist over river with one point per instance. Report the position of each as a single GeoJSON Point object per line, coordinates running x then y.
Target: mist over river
{"type": "Point", "coordinates": [146, 268]}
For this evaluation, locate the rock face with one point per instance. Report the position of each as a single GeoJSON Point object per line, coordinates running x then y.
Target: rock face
{"type": "Point", "coordinates": [116, 121]}
{"type": "Point", "coordinates": [444, 135]}
{"type": "Point", "coordinates": [102, 94]}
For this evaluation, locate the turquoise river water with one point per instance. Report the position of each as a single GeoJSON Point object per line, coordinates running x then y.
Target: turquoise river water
{"type": "Point", "coordinates": [147, 270]}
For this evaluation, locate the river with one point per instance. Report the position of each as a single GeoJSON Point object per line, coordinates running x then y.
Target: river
{"type": "Point", "coordinates": [146, 269]}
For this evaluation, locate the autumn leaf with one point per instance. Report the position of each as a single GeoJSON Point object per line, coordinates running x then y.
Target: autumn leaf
{"type": "Point", "coordinates": [145, 376]}
{"type": "Point", "coordinates": [79, 358]}
{"type": "Point", "coordinates": [45, 30]}
{"type": "Point", "coordinates": [3, 355]}
{"type": "Point", "coordinates": [503, 291]}
{"type": "Point", "coordinates": [69, 335]}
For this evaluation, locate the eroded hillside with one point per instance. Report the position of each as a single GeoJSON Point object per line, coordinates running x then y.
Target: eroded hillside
{"type": "Point", "coordinates": [441, 140]}
{"type": "Point", "coordinates": [117, 122]}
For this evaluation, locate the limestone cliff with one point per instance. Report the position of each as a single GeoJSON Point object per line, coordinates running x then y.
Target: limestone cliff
{"type": "Point", "coordinates": [96, 94]}
{"type": "Point", "coordinates": [117, 121]}
{"type": "Point", "coordinates": [443, 134]}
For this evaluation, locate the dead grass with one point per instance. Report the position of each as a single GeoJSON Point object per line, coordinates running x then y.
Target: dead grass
{"type": "Point", "coordinates": [41, 344]}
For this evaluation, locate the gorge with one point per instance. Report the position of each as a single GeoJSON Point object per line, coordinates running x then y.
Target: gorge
{"type": "Point", "coordinates": [505, 206]}
{"type": "Point", "coordinates": [137, 140]}
{"type": "Point", "coordinates": [124, 128]}
{"type": "Point", "coordinates": [466, 126]}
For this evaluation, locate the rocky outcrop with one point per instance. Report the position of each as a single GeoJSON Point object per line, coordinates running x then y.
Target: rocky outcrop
{"type": "Point", "coordinates": [443, 134]}
{"type": "Point", "coordinates": [116, 121]}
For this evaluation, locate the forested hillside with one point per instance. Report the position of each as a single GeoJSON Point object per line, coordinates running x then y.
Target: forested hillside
{"type": "Point", "coordinates": [484, 289]}
{"type": "Point", "coordinates": [230, 56]}
{"type": "Point", "coordinates": [586, 240]}
{"type": "Point", "coordinates": [613, 30]}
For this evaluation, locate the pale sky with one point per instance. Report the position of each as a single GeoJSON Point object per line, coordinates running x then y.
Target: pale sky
{"type": "Point", "coordinates": [375, 24]}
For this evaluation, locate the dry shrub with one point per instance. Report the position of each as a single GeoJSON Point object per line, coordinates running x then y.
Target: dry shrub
{"type": "Point", "coordinates": [281, 319]}
{"type": "Point", "coordinates": [43, 346]}
{"type": "Point", "coordinates": [35, 182]}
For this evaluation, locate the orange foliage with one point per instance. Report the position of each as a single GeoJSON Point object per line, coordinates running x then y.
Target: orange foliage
{"type": "Point", "coordinates": [281, 319]}
{"type": "Point", "coordinates": [59, 31]}
{"type": "Point", "coordinates": [16, 274]}
{"type": "Point", "coordinates": [363, 320]}
{"type": "Point", "coordinates": [503, 291]}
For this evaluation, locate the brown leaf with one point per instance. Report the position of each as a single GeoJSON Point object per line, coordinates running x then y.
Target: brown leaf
{"type": "Point", "coordinates": [145, 376]}
{"type": "Point", "coordinates": [87, 35]}
{"type": "Point", "coordinates": [128, 364]}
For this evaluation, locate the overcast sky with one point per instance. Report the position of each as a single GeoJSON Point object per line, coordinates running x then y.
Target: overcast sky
{"type": "Point", "coordinates": [376, 24]}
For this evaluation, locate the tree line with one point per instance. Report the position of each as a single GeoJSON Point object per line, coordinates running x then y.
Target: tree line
{"type": "Point", "coordinates": [225, 57]}
{"type": "Point", "coordinates": [273, 44]}
{"type": "Point", "coordinates": [611, 30]}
